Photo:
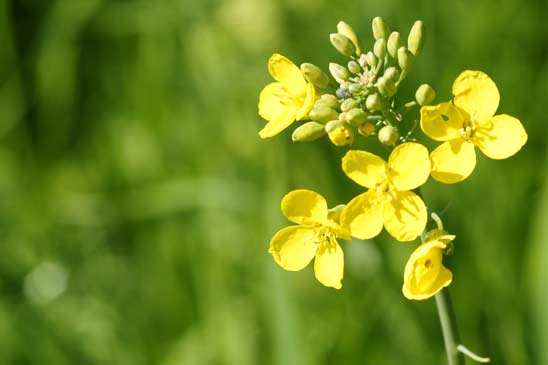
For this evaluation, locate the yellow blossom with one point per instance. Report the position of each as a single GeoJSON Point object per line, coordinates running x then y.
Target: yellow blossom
{"type": "Point", "coordinates": [425, 274]}
{"type": "Point", "coordinates": [288, 99]}
{"type": "Point", "coordinates": [388, 201]}
{"type": "Point", "coordinates": [467, 122]}
{"type": "Point", "coordinates": [315, 235]}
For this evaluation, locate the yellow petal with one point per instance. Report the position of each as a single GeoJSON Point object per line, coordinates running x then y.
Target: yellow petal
{"type": "Point", "coordinates": [284, 120]}
{"type": "Point", "coordinates": [501, 137]}
{"type": "Point", "coordinates": [477, 94]}
{"type": "Point", "coordinates": [308, 102]}
{"type": "Point", "coordinates": [362, 216]}
{"type": "Point", "coordinates": [286, 72]}
{"type": "Point", "coordinates": [293, 247]}
{"type": "Point", "coordinates": [453, 161]}
{"type": "Point", "coordinates": [364, 168]}
{"type": "Point", "coordinates": [404, 216]}
{"type": "Point", "coordinates": [409, 166]}
{"type": "Point", "coordinates": [270, 101]}
{"type": "Point", "coordinates": [441, 122]}
{"type": "Point", "coordinates": [329, 265]}
{"type": "Point", "coordinates": [304, 207]}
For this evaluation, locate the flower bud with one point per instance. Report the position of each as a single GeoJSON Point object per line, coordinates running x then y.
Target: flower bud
{"type": "Point", "coordinates": [366, 129]}
{"type": "Point", "coordinates": [349, 104]}
{"type": "Point", "coordinates": [307, 132]}
{"type": "Point", "coordinates": [355, 88]}
{"type": "Point", "coordinates": [380, 30]}
{"type": "Point", "coordinates": [314, 74]}
{"type": "Point", "coordinates": [393, 44]}
{"type": "Point", "coordinates": [347, 31]}
{"type": "Point", "coordinates": [392, 73]}
{"type": "Point", "coordinates": [322, 114]}
{"type": "Point", "coordinates": [334, 213]}
{"type": "Point", "coordinates": [405, 59]}
{"type": "Point", "coordinates": [342, 44]}
{"type": "Point", "coordinates": [342, 93]}
{"type": "Point", "coordinates": [371, 59]}
{"type": "Point", "coordinates": [339, 133]}
{"type": "Point", "coordinates": [339, 73]}
{"type": "Point", "coordinates": [354, 67]}
{"type": "Point", "coordinates": [363, 61]}
{"type": "Point", "coordinates": [379, 49]}
{"type": "Point", "coordinates": [415, 39]}
{"type": "Point", "coordinates": [373, 102]}
{"type": "Point", "coordinates": [388, 135]}
{"type": "Point", "coordinates": [386, 86]}
{"type": "Point", "coordinates": [327, 100]}
{"type": "Point", "coordinates": [425, 94]}
{"type": "Point", "coordinates": [356, 117]}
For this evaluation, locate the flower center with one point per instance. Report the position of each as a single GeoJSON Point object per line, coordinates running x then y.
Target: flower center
{"type": "Point", "coordinates": [468, 129]}
{"type": "Point", "coordinates": [384, 188]}
{"type": "Point", "coordinates": [324, 237]}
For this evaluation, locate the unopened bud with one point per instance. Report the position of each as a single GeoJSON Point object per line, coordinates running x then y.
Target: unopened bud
{"type": "Point", "coordinates": [349, 104]}
{"type": "Point", "coordinates": [380, 48]}
{"type": "Point", "coordinates": [425, 94]}
{"type": "Point", "coordinates": [380, 30]}
{"type": "Point", "coordinates": [415, 39]}
{"type": "Point", "coordinates": [339, 133]}
{"type": "Point", "coordinates": [339, 73]}
{"type": "Point", "coordinates": [355, 88]}
{"type": "Point", "coordinates": [347, 31]}
{"type": "Point", "coordinates": [342, 93]}
{"type": "Point", "coordinates": [405, 59]}
{"type": "Point", "coordinates": [393, 44]}
{"type": "Point", "coordinates": [314, 74]}
{"type": "Point", "coordinates": [373, 102]}
{"type": "Point", "coordinates": [371, 59]}
{"type": "Point", "coordinates": [342, 44]}
{"type": "Point", "coordinates": [392, 73]}
{"type": "Point", "coordinates": [334, 213]}
{"type": "Point", "coordinates": [386, 86]}
{"type": "Point", "coordinates": [366, 129]}
{"type": "Point", "coordinates": [356, 117]}
{"type": "Point", "coordinates": [363, 61]}
{"type": "Point", "coordinates": [354, 67]}
{"type": "Point", "coordinates": [307, 132]}
{"type": "Point", "coordinates": [388, 135]}
{"type": "Point", "coordinates": [322, 114]}
{"type": "Point", "coordinates": [327, 100]}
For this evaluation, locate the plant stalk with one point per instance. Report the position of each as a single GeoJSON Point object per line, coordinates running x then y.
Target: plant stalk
{"type": "Point", "coordinates": [449, 327]}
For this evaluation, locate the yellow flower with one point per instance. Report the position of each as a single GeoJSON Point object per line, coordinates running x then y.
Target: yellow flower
{"type": "Point", "coordinates": [388, 201]}
{"type": "Point", "coordinates": [315, 235]}
{"type": "Point", "coordinates": [424, 274]}
{"type": "Point", "coordinates": [287, 100]}
{"type": "Point", "coordinates": [468, 122]}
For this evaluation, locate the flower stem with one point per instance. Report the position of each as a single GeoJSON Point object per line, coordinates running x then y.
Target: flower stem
{"type": "Point", "coordinates": [449, 328]}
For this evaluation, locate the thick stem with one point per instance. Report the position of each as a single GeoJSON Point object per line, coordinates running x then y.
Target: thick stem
{"type": "Point", "coordinates": [449, 328]}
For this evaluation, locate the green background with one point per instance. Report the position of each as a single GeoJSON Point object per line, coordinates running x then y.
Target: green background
{"type": "Point", "coordinates": [137, 201]}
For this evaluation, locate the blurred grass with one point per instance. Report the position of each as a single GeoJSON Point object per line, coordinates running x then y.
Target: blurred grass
{"type": "Point", "coordinates": [137, 200]}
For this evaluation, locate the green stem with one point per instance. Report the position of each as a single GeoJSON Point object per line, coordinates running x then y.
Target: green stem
{"type": "Point", "coordinates": [449, 328]}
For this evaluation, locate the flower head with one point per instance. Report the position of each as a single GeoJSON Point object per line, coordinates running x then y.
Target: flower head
{"type": "Point", "coordinates": [287, 100]}
{"type": "Point", "coordinates": [388, 201]}
{"type": "Point", "coordinates": [467, 122]}
{"type": "Point", "coordinates": [425, 274]}
{"type": "Point", "coordinates": [315, 235]}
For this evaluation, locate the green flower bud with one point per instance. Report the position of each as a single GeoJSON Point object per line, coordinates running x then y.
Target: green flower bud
{"type": "Point", "coordinates": [371, 59]}
{"type": "Point", "coordinates": [373, 102]}
{"type": "Point", "coordinates": [349, 104]}
{"type": "Point", "coordinates": [425, 94]}
{"type": "Point", "coordinates": [363, 61]}
{"type": "Point", "coordinates": [342, 44]}
{"type": "Point", "coordinates": [340, 73]}
{"type": "Point", "coordinates": [366, 129]}
{"type": "Point", "coordinates": [347, 31]}
{"type": "Point", "coordinates": [388, 135]}
{"type": "Point", "coordinates": [345, 85]}
{"type": "Point", "coordinates": [405, 59]}
{"type": "Point", "coordinates": [356, 117]}
{"type": "Point", "coordinates": [328, 100]}
{"type": "Point", "coordinates": [354, 67]}
{"type": "Point", "coordinates": [380, 30]}
{"type": "Point", "coordinates": [308, 132]}
{"type": "Point", "coordinates": [314, 74]}
{"type": "Point", "coordinates": [379, 49]}
{"type": "Point", "coordinates": [392, 73]}
{"type": "Point", "coordinates": [415, 39]}
{"type": "Point", "coordinates": [322, 114]}
{"type": "Point", "coordinates": [339, 133]}
{"type": "Point", "coordinates": [386, 86]}
{"type": "Point", "coordinates": [355, 88]}
{"type": "Point", "coordinates": [393, 44]}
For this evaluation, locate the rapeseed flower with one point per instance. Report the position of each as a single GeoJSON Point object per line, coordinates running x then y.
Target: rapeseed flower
{"type": "Point", "coordinates": [388, 201]}
{"type": "Point", "coordinates": [467, 122]}
{"type": "Point", "coordinates": [288, 99]}
{"type": "Point", "coordinates": [315, 235]}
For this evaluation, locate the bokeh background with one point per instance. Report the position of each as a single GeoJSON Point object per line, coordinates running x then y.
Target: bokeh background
{"type": "Point", "coordinates": [137, 201]}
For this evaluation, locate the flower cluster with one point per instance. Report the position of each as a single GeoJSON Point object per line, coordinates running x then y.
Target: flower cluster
{"type": "Point", "coordinates": [360, 101]}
